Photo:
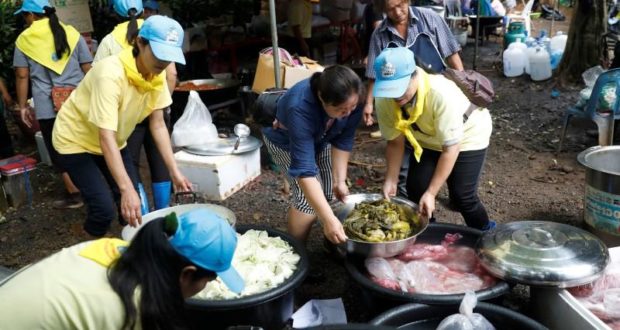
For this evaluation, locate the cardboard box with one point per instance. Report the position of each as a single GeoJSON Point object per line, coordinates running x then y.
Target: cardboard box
{"type": "Point", "coordinates": [289, 75]}
{"type": "Point", "coordinates": [218, 177]}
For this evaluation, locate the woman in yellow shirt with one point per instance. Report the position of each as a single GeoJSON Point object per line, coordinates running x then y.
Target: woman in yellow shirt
{"type": "Point", "coordinates": [93, 126]}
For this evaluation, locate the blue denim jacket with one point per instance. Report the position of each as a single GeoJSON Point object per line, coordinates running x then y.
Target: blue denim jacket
{"type": "Point", "coordinates": [305, 136]}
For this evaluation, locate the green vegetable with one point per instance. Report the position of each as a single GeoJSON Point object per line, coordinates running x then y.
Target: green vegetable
{"type": "Point", "coordinates": [379, 221]}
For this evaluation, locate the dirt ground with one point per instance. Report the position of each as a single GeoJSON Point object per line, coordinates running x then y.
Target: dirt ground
{"type": "Point", "coordinates": [523, 179]}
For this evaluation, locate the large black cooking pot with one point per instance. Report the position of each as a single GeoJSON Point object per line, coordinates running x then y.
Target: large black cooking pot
{"type": "Point", "coordinates": [422, 317]}
{"type": "Point", "coordinates": [380, 299]}
{"type": "Point", "coordinates": [225, 95]}
{"type": "Point", "coordinates": [270, 309]}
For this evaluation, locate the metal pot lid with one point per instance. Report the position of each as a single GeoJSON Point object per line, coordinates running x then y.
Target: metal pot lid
{"type": "Point", "coordinates": [542, 253]}
{"type": "Point", "coordinates": [225, 146]}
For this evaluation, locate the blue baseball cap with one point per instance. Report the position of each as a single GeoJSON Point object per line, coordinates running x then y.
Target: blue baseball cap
{"type": "Point", "coordinates": [208, 241]}
{"type": "Point", "coordinates": [151, 4]}
{"type": "Point", "coordinates": [165, 36]}
{"type": "Point", "coordinates": [121, 7]}
{"type": "Point", "coordinates": [33, 6]}
{"type": "Point", "coordinates": [393, 70]}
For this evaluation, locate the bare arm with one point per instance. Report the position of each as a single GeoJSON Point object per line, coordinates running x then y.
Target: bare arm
{"type": "Point", "coordinates": [394, 156]}
{"type": "Point", "coordinates": [6, 97]}
{"type": "Point", "coordinates": [332, 228]}
{"type": "Point", "coordinates": [340, 162]}
{"type": "Point", "coordinates": [171, 77]}
{"type": "Point", "coordinates": [369, 107]}
{"type": "Point", "coordinates": [454, 61]}
{"type": "Point", "coordinates": [158, 129]}
{"type": "Point", "coordinates": [442, 172]}
{"type": "Point", "coordinates": [130, 202]}
{"type": "Point", "coordinates": [22, 78]}
{"type": "Point", "coordinates": [86, 67]}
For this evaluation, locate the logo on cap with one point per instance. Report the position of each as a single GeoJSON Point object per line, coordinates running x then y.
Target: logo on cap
{"type": "Point", "coordinates": [388, 70]}
{"type": "Point", "coordinates": [172, 36]}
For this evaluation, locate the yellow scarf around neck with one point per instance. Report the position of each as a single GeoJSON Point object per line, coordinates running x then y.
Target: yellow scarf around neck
{"type": "Point", "coordinates": [414, 111]}
{"type": "Point", "coordinates": [104, 251]}
{"type": "Point", "coordinates": [120, 33]}
{"type": "Point", "coordinates": [134, 76]}
{"type": "Point", "coordinates": [37, 43]}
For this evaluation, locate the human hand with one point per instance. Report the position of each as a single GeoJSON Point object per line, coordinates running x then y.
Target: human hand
{"type": "Point", "coordinates": [368, 109]}
{"type": "Point", "coordinates": [333, 230]}
{"type": "Point", "coordinates": [130, 207]}
{"type": "Point", "coordinates": [408, 96]}
{"type": "Point", "coordinates": [341, 190]}
{"type": "Point", "coordinates": [8, 100]}
{"type": "Point", "coordinates": [389, 189]}
{"type": "Point", "coordinates": [427, 205]}
{"type": "Point", "coordinates": [26, 115]}
{"type": "Point", "coordinates": [181, 183]}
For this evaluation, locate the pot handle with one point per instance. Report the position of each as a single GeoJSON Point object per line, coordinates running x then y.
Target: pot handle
{"type": "Point", "coordinates": [179, 197]}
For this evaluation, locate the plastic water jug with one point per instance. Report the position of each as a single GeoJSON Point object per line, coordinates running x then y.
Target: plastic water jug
{"type": "Point", "coordinates": [514, 61]}
{"type": "Point", "coordinates": [529, 53]}
{"type": "Point", "coordinates": [523, 47]}
{"type": "Point", "coordinates": [558, 42]}
{"type": "Point", "coordinates": [515, 30]}
{"type": "Point", "coordinates": [540, 65]}
{"type": "Point", "coordinates": [556, 57]}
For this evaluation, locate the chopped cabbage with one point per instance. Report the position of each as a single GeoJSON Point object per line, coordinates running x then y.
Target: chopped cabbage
{"type": "Point", "coordinates": [263, 262]}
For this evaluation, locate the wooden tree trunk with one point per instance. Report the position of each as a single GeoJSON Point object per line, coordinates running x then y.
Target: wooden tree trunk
{"type": "Point", "coordinates": [584, 46]}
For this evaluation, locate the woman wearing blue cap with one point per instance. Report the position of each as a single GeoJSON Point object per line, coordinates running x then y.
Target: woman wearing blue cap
{"type": "Point", "coordinates": [110, 284]}
{"type": "Point", "coordinates": [312, 139]}
{"type": "Point", "coordinates": [93, 126]}
{"type": "Point", "coordinates": [449, 135]}
{"type": "Point", "coordinates": [121, 38]}
{"type": "Point", "coordinates": [51, 55]}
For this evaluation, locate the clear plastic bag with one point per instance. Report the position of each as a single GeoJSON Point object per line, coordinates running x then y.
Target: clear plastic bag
{"type": "Point", "coordinates": [466, 319]}
{"type": "Point", "coordinates": [195, 127]}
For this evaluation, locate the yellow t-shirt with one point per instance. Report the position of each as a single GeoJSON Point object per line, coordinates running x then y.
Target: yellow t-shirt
{"type": "Point", "coordinates": [441, 122]}
{"type": "Point", "coordinates": [104, 99]}
{"type": "Point", "coordinates": [63, 291]}
{"type": "Point", "coordinates": [299, 12]}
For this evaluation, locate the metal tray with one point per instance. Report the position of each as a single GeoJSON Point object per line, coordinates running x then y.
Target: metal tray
{"type": "Point", "coordinates": [225, 146]}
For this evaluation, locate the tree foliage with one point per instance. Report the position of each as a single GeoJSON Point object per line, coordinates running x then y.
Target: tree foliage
{"type": "Point", "coordinates": [8, 34]}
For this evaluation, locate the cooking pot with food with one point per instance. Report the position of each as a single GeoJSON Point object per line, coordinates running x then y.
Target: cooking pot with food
{"type": "Point", "coordinates": [379, 298]}
{"type": "Point", "coordinates": [363, 242]}
{"type": "Point", "coordinates": [269, 309]}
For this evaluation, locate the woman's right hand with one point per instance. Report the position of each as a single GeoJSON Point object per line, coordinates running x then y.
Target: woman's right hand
{"type": "Point", "coordinates": [130, 207]}
{"type": "Point", "coordinates": [26, 115]}
{"type": "Point", "coordinates": [333, 230]}
{"type": "Point", "coordinates": [389, 189]}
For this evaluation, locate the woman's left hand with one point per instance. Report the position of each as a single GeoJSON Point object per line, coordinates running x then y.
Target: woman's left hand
{"type": "Point", "coordinates": [427, 205]}
{"type": "Point", "coordinates": [181, 183]}
{"type": "Point", "coordinates": [341, 190]}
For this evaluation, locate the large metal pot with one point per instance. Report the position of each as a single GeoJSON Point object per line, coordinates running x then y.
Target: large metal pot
{"type": "Point", "coordinates": [418, 316]}
{"type": "Point", "coordinates": [379, 299]}
{"type": "Point", "coordinates": [225, 93]}
{"type": "Point", "coordinates": [128, 232]}
{"type": "Point", "coordinates": [270, 309]}
{"type": "Point", "coordinates": [381, 249]}
{"type": "Point", "coordinates": [602, 192]}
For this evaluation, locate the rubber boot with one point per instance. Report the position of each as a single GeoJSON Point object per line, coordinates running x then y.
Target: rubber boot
{"type": "Point", "coordinates": [144, 200]}
{"type": "Point", "coordinates": [161, 194]}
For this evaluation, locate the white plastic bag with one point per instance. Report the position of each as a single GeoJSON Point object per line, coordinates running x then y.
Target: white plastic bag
{"type": "Point", "coordinates": [466, 319]}
{"type": "Point", "coordinates": [195, 127]}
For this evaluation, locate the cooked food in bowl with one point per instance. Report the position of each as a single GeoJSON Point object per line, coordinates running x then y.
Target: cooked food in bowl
{"type": "Point", "coordinates": [380, 221]}
{"type": "Point", "coordinates": [190, 86]}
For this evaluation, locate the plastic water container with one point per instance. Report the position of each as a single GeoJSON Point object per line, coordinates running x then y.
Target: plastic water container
{"type": "Point", "coordinates": [540, 65]}
{"type": "Point", "coordinates": [556, 57]}
{"type": "Point", "coordinates": [523, 47]}
{"type": "Point", "coordinates": [558, 42]}
{"type": "Point", "coordinates": [514, 61]}
{"type": "Point", "coordinates": [528, 56]}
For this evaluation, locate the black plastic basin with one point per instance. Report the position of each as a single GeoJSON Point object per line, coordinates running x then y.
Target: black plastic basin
{"type": "Point", "coordinates": [419, 317]}
{"type": "Point", "coordinates": [379, 299]}
{"type": "Point", "coordinates": [269, 310]}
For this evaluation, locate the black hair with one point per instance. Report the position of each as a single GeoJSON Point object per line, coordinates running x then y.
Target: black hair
{"type": "Point", "coordinates": [132, 27]}
{"type": "Point", "coordinates": [152, 264]}
{"type": "Point", "coordinates": [61, 45]}
{"type": "Point", "coordinates": [336, 84]}
{"type": "Point", "coordinates": [135, 50]}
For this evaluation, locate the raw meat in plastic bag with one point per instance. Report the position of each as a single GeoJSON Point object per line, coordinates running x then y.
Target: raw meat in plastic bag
{"type": "Point", "coordinates": [195, 126]}
{"type": "Point", "coordinates": [382, 273]}
{"type": "Point", "coordinates": [423, 252]}
{"type": "Point", "coordinates": [466, 319]}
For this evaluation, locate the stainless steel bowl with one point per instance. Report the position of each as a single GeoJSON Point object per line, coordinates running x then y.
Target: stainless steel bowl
{"type": "Point", "coordinates": [381, 249]}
